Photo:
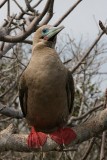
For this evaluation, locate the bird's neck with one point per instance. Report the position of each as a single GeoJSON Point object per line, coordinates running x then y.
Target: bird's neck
{"type": "Point", "coordinates": [40, 49]}
{"type": "Point", "coordinates": [43, 44]}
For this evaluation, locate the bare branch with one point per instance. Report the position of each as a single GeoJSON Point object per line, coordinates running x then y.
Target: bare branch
{"type": "Point", "coordinates": [102, 154]}
{"type": "Point", "coordinates": [88, 149]}
{"type": "Point", "coordinates": [19, 6]}
{"type": "Point", "coordinates": [2, 46]}
{"type": "Point", "coordinates": [69, 60]}
{"type": "Point", "coordinates": [8, 9]}
{"type": "Point", "coordinates": [37, 3]}
{"type": "Point", "coordinates": [87, 53]}
{"type": "Point", "coordinates": [6, 49]}
{"type": "Point", "coordinates": [67, 13]}
{"type": "Point", "coordinates": [26, 10]}
{"type": "Point", "coordinates": [27, 41]}
{"type": "Point", "coordinates": [85, 131]}
{"type": "Point", "coordinates": [1, 5]}
{"type": "Point", "coordinates": [49, 13]}
{"type": "Point", "coordinates": [104, 29]}
{"type": "Point", "coordinates": [8, 111]}
{"type": "Point", "coordinates": [84, 115]}
{"type": "Point", "coordinates": [28, 6]}
{"type": "Point", "coordinates": [29, 30]}
{"type": "Point", "coordinates": [12, 86]}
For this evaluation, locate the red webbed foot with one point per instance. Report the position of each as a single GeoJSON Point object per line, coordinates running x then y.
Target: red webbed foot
{"type": "Point", "coordinates": [36, 139]}
{"type": "Point", "coordinates": [63, 136]}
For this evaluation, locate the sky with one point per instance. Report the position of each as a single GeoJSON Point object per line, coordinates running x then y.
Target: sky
{"type": "Point", "coordinates": [82, 21]}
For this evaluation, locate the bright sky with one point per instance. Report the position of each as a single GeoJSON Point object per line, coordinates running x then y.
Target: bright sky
{"type": "Point", "coordinates": [81, 21]}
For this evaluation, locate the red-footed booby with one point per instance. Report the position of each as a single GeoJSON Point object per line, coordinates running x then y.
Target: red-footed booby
{"type": "Point", "coordinates": [46, 91]}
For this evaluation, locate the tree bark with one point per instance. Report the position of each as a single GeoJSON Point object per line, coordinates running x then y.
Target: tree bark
{"type": "Point", "coordinates": [18, 142]}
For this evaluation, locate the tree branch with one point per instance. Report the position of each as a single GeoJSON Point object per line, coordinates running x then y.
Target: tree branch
{"type": "Point", "coordinates": [102, 153]}
{"type": "Point", "coordinates": [85, 114]}
{"type": "Point", "coordinates": [29, 30]}
{"type": "Point", "coordinates": [10, 112]}
{"type": "Point", "coordinates": [87, 152]}
{"type": "Point", "coordinates": [104, 29]}
{"type": "Point", "coordinates": [85, 131]}
{"type": "Point", "coordinates": [2, 3]}
{"type": "Point", "coordinates": [88, 52]}
{"type": "Point", "coordinates": [49, 13]}
{"type": "Point", "coordinates": [29, 6]}
{"type": "Point", "coordinates": [6, 49]}
{"type": "Point", "coordinates": [67, 13]}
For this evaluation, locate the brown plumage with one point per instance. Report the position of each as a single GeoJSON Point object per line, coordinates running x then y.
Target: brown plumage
{"type": "Point", "coordinates": [46, 89]}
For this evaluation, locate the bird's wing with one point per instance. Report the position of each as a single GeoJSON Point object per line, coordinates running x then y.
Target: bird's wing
{"type": "Point", "coordinates": [23, 92]}
{"type": "Point", "coordinates": [70, 91]}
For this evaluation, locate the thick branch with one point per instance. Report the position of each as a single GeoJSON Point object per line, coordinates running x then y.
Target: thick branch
{"type": "Point", "coordinates": [10, 112]}
{"type": "Point", "coordinates": [85, 131]}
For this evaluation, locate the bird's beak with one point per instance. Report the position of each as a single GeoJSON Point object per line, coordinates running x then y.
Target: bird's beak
{"type": "Point", "coordinates": [53, 32]}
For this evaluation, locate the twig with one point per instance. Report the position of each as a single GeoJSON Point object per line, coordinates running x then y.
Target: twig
{"type": "Point", "coordinates": [29, 6]}
{"type": "Point", "coordinates": [67, 13]}
{"type": "Point", "coordinates": [88, 52]}
{"type": "Point", "coordinates": [37, 3]}
{"type": "Point", "coordinates": [7, 48]}
{"type": "Point", "coordinates": [69, 60]}
{"type": "Point", "coordinates": [19, 6]}
{"type": "Point", "coordinates": [88, 149]}
{"type": "Point", "coordinates": [10, 46]}
{"type": "Point", "coordinates": [2, 46]}
{"type": "Point", "coordinates": [27, 41]}
{"type": "Point", "coordinates": [49, 13]}
{"type": "Point", "coordinates": [29, 30]}
{"type": "Point", "coordinates": [19, 60]}
{"type": "Point", "coordinates": [10, 21]}
{"type": "Point", "coordinates": [2, 3]}
{"type": "Point", "coordinates": [9, 89]}
{"type": "Point", "coordinates": [8, 9]}
{"type": "Point", "coordinates": [26, 10]}
{"type": "Point", "coordinates": [102, 153]}
{"type": "Point", "coordinates": [104, 29]}
{"type": "Point", "coordinates": [8, 57]}
{"type": "Point", "coordinates": [84, 115]}
{"type": "Point", "coordinates": [22, 8]}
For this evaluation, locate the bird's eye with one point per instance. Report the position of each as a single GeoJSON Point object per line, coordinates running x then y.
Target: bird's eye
{"type": "Point", "coordinates": [45, 30]}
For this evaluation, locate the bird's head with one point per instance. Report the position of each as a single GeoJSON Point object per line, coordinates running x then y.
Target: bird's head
{"type": "Point", "coordinates": [46, 35]}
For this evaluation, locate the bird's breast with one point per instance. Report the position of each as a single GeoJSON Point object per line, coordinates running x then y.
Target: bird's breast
{"type": "Point", "coordinates": [46, 71]}
{"type": "Point", "coordinates": [47, 102]}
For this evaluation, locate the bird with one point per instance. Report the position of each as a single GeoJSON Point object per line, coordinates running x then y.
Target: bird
{"type": "Point", "coordinates": [46, 91]}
